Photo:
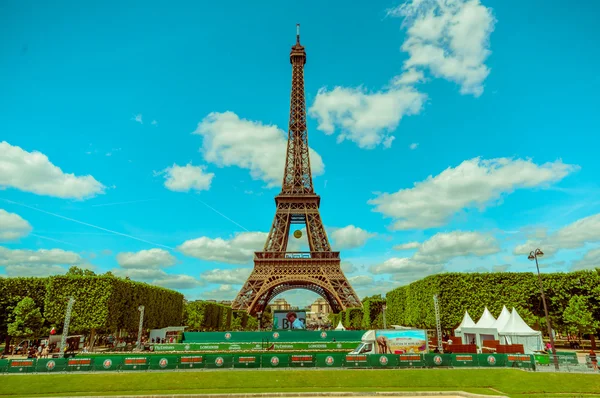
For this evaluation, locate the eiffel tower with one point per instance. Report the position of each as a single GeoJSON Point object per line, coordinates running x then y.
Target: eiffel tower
{"type": "Point", "coordinates": [275, 269]}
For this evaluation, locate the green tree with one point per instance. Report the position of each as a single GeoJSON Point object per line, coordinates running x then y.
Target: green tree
{"type": "Point", "coordinates": [27, 319]}
{"type": "Point", "coordinates": [578, 316]}
{"type": "Point", "coordinates": [193, 316]}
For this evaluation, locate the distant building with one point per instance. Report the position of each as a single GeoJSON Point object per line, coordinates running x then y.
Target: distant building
{"type": "Point", "coordinates": [225, 302]}
{"type": "Point", "coordinates": [318, 312]}
{"type": "Point", "coordinates": [280, 304]}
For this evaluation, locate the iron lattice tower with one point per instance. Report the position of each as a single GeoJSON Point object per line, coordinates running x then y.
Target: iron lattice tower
{"type": "Point", "coordinates": [275, 269]}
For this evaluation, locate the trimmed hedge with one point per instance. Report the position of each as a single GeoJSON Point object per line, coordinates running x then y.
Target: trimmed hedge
{"type": "Point", "coordinates": [101, 302]}
{"type": "Point", "coordinates": [412, 305]}
{"type": "Point", "coordinates": [373, 313]}
{"type": "Point", "coordinates": [212, 316]}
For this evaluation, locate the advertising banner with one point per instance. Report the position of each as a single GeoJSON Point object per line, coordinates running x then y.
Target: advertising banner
{"type": "Point", "coordinates": [272, 345]}
{"type": "Point", "coordinates": [401, 341]}
{"type": "Point", "coordinates": [280, 321]}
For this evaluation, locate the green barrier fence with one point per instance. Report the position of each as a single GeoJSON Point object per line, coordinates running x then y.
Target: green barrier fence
{"type": "Point", "coordinates": [164, 362]}
{"type": "Point", "coordinates": [520, 361]}
{"type": "Point", "coordinates": [4, 365]}
{"type": "Point", "coordinates": [383, 361]}
{"type": "Point", "coordinates": [51, 365]}
{"type": "Point", "coordinates": [437, 360]}
{"type": "Point", "coordinates": [191, 362]}
{"type": "Point", "coordinates": [347, 345]}
{"type": "Point", "coordinates": [246, 361]}
{"type": "Point", "coordinates": [275, 360]}
{"type": "Point", "coordinates": [356, 361]}
{"type": "Point", "coordinates": [107, 363]}
{"type": "Point", "coordinates": [330, 360]}
{"type": "Point", "coordinates": [257, 360]}
{"type": "Point", "coordinates": [491, 360]}
{"type": "Point", "coordinates": [287, 336]}
{"type": "Point", "coordinates": [411, 361]}
{"type": "Point", "coordinates": [302, 360]}
{"type": "Point", "coordinates": [135, 363]}
{"type": "Point", "coordinates": [567, 357]}
{"type": "Point", "coordinates": [464, 360]}
{"type": "Point", "coordinates": [219, 361]}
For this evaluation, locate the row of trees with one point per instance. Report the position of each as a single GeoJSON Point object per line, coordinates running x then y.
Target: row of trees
{"type": "Point", "coordinates": [102, 303]}
{"type": "Point", "coordinates": [210, 316]}
{"type": "Point", "coordinates": [573, 301]}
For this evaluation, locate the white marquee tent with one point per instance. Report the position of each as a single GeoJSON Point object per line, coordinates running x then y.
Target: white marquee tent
{"type": "Point", "coordinates": [340, 326]}
{"type": "Point", "coordinates": [467, 322]}
{"type": "Point", "coordinates": [483, 330]}
{"type": "Point", "coordinates": [502, 318]}
{"type": "Point", "coordinates": [516, 331]}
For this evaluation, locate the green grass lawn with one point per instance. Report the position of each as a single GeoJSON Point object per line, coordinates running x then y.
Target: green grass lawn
{"type": "Point", "coordinates": [509, 382]}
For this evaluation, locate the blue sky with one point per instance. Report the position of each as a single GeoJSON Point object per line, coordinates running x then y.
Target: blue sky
{"type": "Point", "coordinates": [148, 138]}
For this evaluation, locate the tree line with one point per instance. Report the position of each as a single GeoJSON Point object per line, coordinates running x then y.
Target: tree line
{"type": "Point", "coordinates": [573, 301]}
{"type": "Point", "coordinates": [30, 307]}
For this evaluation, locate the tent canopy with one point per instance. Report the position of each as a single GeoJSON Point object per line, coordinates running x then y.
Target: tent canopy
{"type": "Point", "coordinates": [466, 322]}
{"type": "Point", "coordinates": [517, 326]}
{"type": "Point", "coordinates": [340, 326]}
{"type": "Point", "coordinates": [502, 318]}
{"type": "Point", "coordinates": [487, 320]}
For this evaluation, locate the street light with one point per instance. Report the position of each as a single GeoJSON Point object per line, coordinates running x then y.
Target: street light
{"type": "Point", "coordinates": [533, 255]}
{"type": "Point", "coordinates": [384, 323]}
{"type": "Point", "coordinates": [259, 316]}
{"type": "Point", "coordinates": [139, 339]}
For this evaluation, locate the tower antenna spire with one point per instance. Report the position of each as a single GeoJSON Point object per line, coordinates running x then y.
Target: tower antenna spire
{"type": "Point", "coordinates": [298, 33]}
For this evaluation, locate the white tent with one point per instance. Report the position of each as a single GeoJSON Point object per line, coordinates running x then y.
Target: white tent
{"type": "Point", "coordinates": [467, 322]}
{"type": "Point", "coordinates": [502, 319]}
{"type": "Point", "coordinates": [516, 331]}
{"type": "Point", "coordinates": [483, 330]}
{"type": "Point", "coordinates": [340, 326]}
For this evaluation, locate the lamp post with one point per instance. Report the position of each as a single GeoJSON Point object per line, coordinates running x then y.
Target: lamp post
{"type": "Point", "coordinates": [534, 256]}
{"type": "Point", "coordinates": [259, 316]}
{"type": "Point", "coordinates": [384, 323]}
{"type": "Point", "coordinates": [139, 339]}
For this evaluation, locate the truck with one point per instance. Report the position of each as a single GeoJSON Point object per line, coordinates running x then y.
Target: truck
{"type": "Point", "coordinates": [406, 341]}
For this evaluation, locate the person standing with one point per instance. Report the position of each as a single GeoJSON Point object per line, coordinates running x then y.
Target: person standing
{"type": "Point", "coordinates": [294, 321]}
{"type": "Point", "coordinates": [594, 360]}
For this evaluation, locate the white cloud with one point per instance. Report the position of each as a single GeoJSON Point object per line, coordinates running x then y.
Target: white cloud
{"type": "Point", "coordinates": [367, 119]}
{"type": "Point", "coordinates": [407, 246]}
{"type": "Point", "coordinates": [442, 247]}
{"type": "Point", "coordinates": [361, 280]}
{"type": "Point", "coordinates": [142, 274]}
{"type": "Point", "coordinates": [138, 118]}
{"type": "Point", "coordinates": [591, 260]}
{"type": "Point", "coordinates": [406, 270]}
{"type": "Point", "coordinates": [231, 141]}
{"type": "Point", "coordinates": [348, 267]}
{"type": "Point", "coordinates": [152, 258]}
{"type": "Point", "coordinates": [12, 226]}
{"type": "Point", "coordinates": [401, 265]}
{"type": "Point", "coordinates": [186, 178]}
{"type": "Point", "coordinates": [156, 276]}
{"type": "Point", "coordinates": [350, 237]}
{"type": "Point", "coordinates": [573, 236]}
{"type": "Point", "coordinates": [413, 146]}
{"type": "Point", "coordinates": [178, 282]}
{"type": "Point", "coordinates": [33, 172]}
{"type": "Point", "coordinates": [34, 271]}
{"type": "Point", "coordinates": [473, 183]}
{"type": "Point", "coordinates": [237, 250]}
{"type": "Point", "coordinates": [450, 38]}
{"type": "Point", "coordinates": [43, 262]}
{"type": "Point", "coordinates": [223, 292]}
{"type": "Point", "coordinates": [235, 276]}
{"type": "Point", "coordinates": [154, 123]}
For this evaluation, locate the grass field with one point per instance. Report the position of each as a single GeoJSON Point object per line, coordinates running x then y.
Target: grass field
{"type": "Point", "coordinates": [509, 382]}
